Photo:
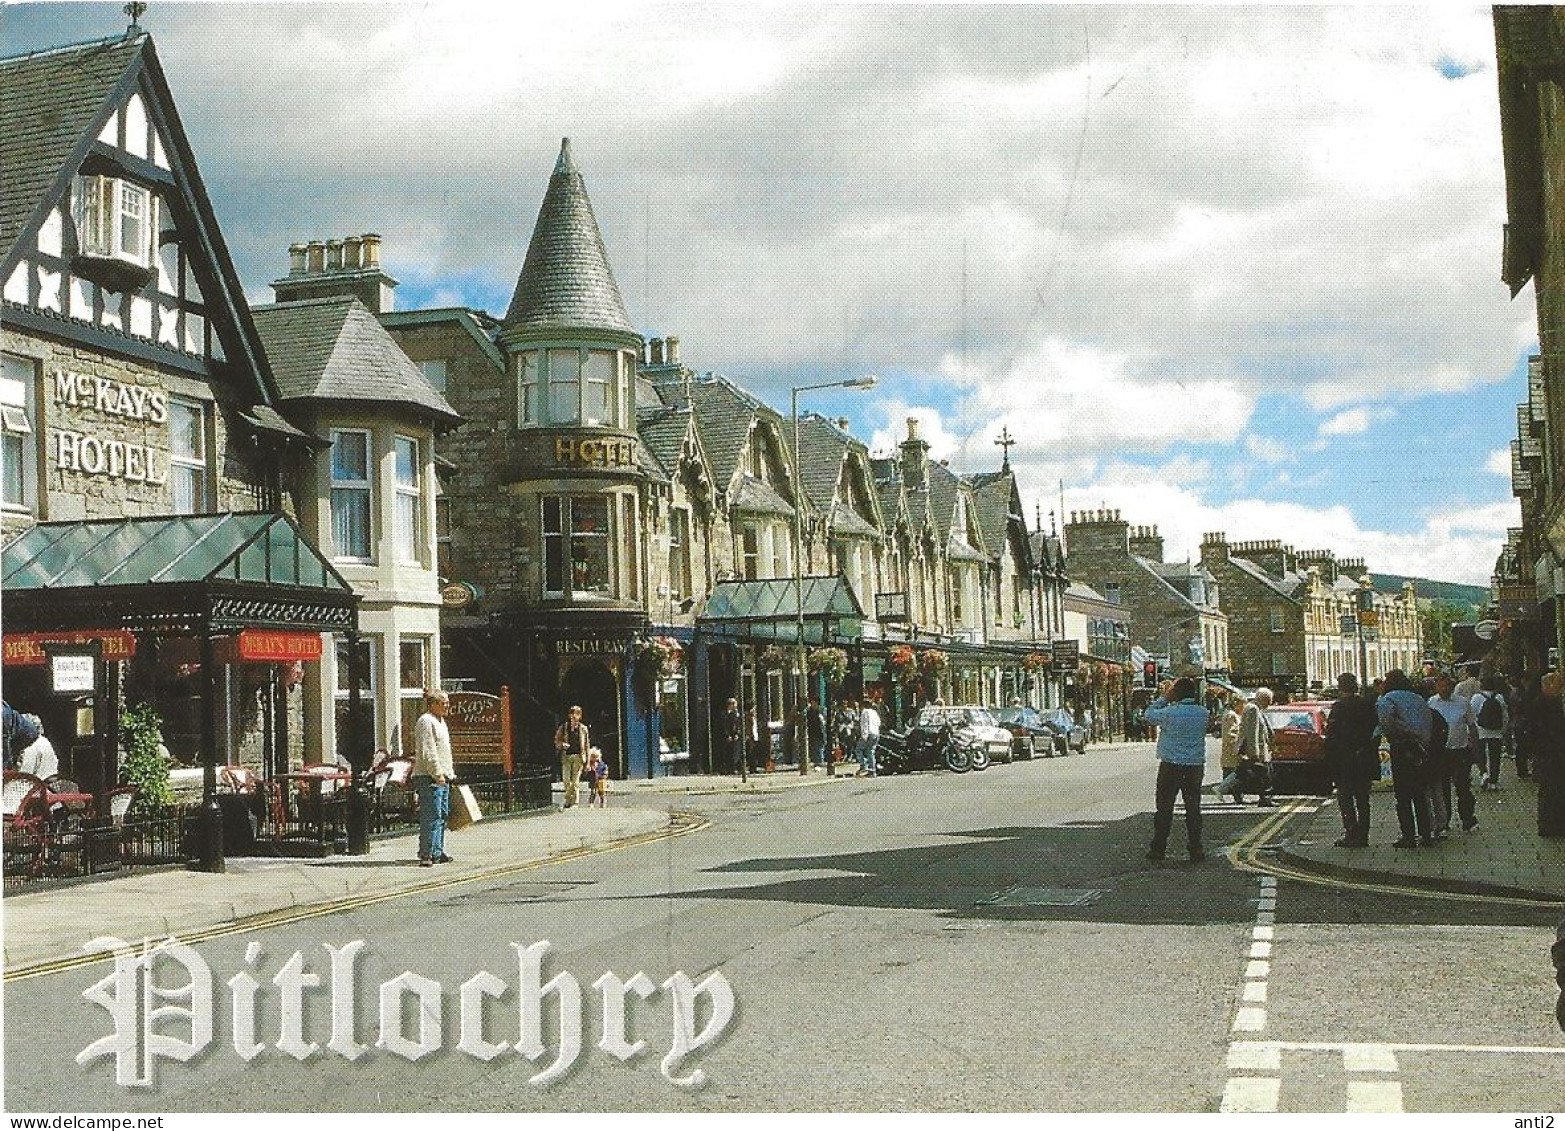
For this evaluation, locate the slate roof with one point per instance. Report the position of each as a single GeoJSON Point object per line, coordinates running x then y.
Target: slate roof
{"type": "Point", "coordinates": [49, 102]}
{"type": "Point", "coordinates": [759, 498]}
{"type": "Point", "coordinates": [724, 413]}
{"type": "Point", "coordinates": [566, 282]}
{"type": "Point", "coordinates": [992, 493]}
{"type": "Point", "coordinates": [1152, 568]}
{"type": "Point", "coordinates": [663, 432]}
{"type": "Point", "coordinates": [822, 449]}
{"type": "Point", "coordinates": [335, 349]}
{"type": "Point", "coordinates": [1285, 587]}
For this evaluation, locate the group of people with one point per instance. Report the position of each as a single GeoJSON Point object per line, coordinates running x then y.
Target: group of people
{"type": "Point", "coordinates": [854, 728]}
{"type": "Point", "coordinates": [1437, 732]}
{"type": "Point", "coordinates": [27, 749]}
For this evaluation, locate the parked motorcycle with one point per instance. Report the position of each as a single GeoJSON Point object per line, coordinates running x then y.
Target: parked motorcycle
{"type": "Point", "coordinates": [902, 752]}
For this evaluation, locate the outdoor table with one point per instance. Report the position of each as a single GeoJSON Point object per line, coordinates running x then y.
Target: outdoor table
{"type": "Point", "coordinates": [310, 783]}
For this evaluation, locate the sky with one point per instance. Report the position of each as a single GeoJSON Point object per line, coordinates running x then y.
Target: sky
{"type": "Point", "coordinates": [1222, 268]}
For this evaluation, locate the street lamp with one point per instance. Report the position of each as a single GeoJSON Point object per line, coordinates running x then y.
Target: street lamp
{"type": "Point", "coordinates": [868, 381]}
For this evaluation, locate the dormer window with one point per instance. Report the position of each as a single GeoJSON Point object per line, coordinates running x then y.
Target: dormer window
{"type": "Point", "coordinates": [115, 220]}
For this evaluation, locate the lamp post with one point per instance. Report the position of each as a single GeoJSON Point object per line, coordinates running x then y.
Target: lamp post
{"type": "Point", "coordinates": [801, 694]}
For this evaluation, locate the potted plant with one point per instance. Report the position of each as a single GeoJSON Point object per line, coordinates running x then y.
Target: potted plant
{"type": "Point", "coordinates": [146, 760]}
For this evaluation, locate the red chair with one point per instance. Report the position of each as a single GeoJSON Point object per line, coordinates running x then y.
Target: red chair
{"type": "Point", "coordinates": [238, 779]}
{"type": "Point", "coordinates": [26, 822]}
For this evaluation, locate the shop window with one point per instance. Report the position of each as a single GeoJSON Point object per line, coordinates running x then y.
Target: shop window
{"type": "Point", "coordinates": [412, 679]}
{"type": "Point", "coordinates": [369, 680]}
{"type": "Point", "coordinates": [409, 502]}
{"type": "Point", "coordinates": [115, 219]}
{"type": "Point", "coordinates": [350, 494]}
{"type": "Point", "coordinates": [187, 471]}
{"type": "Point", "coordinates": [18, 438]}
{"type": "Point", "coordinates": [577, 547]}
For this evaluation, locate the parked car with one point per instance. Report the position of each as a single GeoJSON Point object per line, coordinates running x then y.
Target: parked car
{"type": "Point", "coordinates": [1032, 735]}
{"type": "Point", "coordinates": [1063, 723]}
{"type": "Point", "coordinates": [1299, 747]}
{"type": "Point", "coordinates": [974, 722]}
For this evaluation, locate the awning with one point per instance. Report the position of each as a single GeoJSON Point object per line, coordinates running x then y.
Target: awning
{"type": "Point", "coordinates": [187, 573]}
{"type": "Point", "coordinates": [770, 610]}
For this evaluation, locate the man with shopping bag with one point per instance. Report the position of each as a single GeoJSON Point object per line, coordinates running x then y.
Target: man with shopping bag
{"type": "Point", "coordinates": [432, 774]}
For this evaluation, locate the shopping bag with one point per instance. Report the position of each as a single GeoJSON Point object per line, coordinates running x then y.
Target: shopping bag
{"type": "Point", "coordinates": [464, 808]}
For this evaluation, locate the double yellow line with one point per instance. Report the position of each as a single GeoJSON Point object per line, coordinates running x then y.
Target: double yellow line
{"type": "Point", "coordinates": [682, 825]}
{"type": "Point", "coordinates": [1244, 854]}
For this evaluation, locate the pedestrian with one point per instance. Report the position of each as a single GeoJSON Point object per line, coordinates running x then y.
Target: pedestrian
{"type": "Point", "coordinates": [1255, 748]}
{"type": "Point", "coordinates": [1524, 741]}
{"type": "Point", "coordinates": [1406, 721]}
{"type": "Point", "coordinates": [1452, 760]}
{"type": "Point", "coordinates": [1352, 758]}
{"type": "Point", "coordinates": [759, 754]}
{"type": "Point", "coordinates": [815, 731]}
{"type": "Point", "coordinates": [846, 728]}
{"type": "Point", "coordinates": [1493, 715]}
{"type": "Point", "coordinates": [18, 734]}
{"type": "Point", "coordinates": [1548, 729]}
{"type": "Point", "coordinates": [869, 738]}
{"type": "Point", "coordinates": [572, 740]}
{"type": "Point", "coordinates": [733, 735]}
{"type": "Point", "coordinates": [1470, 684]}
{"type": "Point", "coordinates": [1181, 763]}
{"type": "Point", "coordinates": [1557, 952]}
{"type": "Point", "coordinates": [431, 778]}
{"type": "Point", "coordinates": [1230, 725]}
{"type": "Point", "coordinates": [38, 758]}
{"type": "Point", "coordinates": [598, 777]}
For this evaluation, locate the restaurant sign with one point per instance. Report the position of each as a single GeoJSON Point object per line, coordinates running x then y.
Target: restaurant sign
{"type": "Point", "coordinates": [590, 646]}
{"type": "Point", "coordinates": [26, 649]}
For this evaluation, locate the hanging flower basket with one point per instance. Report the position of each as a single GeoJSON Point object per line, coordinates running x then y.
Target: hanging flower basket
{"type": "Point", "coordinates": [1035, 662]}
{"type": "Point", "coordinates": [932, 661]}
{"type": "Point", "coordinates": [657, 657]}
{"type": "Point", "coordinates": [829, 662]}
{"type": "Point", "coordinates": [771, 659]}
{"type": "Point", "coordinates": [903, 663]}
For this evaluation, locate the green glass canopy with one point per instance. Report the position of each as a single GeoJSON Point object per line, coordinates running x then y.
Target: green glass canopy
{"type": "Point", "coordinates": [769, 610]}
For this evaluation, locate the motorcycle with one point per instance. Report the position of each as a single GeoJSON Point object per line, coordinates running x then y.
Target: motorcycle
{"type": "Point", "coordinates": [902, 752]}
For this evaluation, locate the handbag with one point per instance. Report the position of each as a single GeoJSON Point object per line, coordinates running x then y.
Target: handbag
{"type": "Point", "coordinates": [464, 808]}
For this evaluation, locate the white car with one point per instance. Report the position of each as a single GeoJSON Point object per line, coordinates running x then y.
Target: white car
{"type": "Point", "coordinates": [975, 723]}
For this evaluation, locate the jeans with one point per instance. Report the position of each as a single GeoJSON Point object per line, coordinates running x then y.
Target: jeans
{"type": "Point", "coordinates": [1408, 776]}
{"type": "Point", "coordinates": [1353, 800]}
{"type": "Point", "coordinates": [866, 754]}
{"type": "Point", "coordinates": [1175, 779]}
{"type": "Point", "coordinates": [1491, 748]}
{"type": "Point", "coordinates": [434, 803]}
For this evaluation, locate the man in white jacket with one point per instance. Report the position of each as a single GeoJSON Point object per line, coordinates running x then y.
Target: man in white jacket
{"type": "Point", "coordinates": [431, 778]}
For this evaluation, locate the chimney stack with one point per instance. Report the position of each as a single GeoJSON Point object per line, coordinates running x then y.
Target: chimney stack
{"type": "Point", "coordinates": [336, 267]}
{"type": "Point", "coordinates": [915, 458]}
{"type": "Point", "coordinates": [297, 254]}
{"type": "Point", "coordinates": [657, 351]}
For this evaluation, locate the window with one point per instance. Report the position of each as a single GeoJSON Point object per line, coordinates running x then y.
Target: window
{"type": "Point", "coordinates": [369, 647]}
{"type": "Point", "coordinates": [1279, 664]}
{"type": "Point", "coordinates": [443, 538]}
{"type": "Point", "coordinates": [18, 442]}
{"type": "Point", "coordinates": [679, 552]}
{"type": "Point", "coordinates": [412, 679]}
{"type": "Point", "coordinates": [350, 494]}
{"type": "Point", "coordinates": [1111, 592]}
{"type": "Point", "coordinates": [410, 502]}
{"type": "Point", "coordinates": [115, 219]}
{"type": "Point", "coordinates": [958, 583]}
{"type": "Point", "coordinates": [597, 397]}
{"type": "Point", "coordinates": [435, 373]}
{"type": "Point", "coordinates": [1276, 619]}
{"type": "Point", "coordinates": [187, 471]}
{"type": "Point", "coordinates": [750, 553]}
{"type": "Point", "coordinates": [529, 373]}
{"type": "Point", "coordinates": [577, 556]}
{"type": "Point", "coordinates": [564, 386]}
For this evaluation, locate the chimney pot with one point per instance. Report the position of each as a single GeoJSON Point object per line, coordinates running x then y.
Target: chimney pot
{"type": "Point", "coordinates": [842, 423]}
{"type": "Point", "coordinates": [369, 251]}
{"type": "Point", "coordinates": [672, 353]}
{"type": "Point", "coordinates": [334, 255]}
{"type": "Point", "coordinates": [317, 257]}
{"type": "Point", "coordinates": [352, 248]}
{"type": "Point", "coordinates": [297, 254]}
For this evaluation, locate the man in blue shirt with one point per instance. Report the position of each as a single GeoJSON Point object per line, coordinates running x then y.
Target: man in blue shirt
{"type": "Point", "coordinates": [1407, 722]}
{"type": "Point", "coordinates": [1181, 724]}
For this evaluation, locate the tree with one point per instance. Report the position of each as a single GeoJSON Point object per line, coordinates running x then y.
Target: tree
{"type": "Point", "coordinates": [1436, 621]}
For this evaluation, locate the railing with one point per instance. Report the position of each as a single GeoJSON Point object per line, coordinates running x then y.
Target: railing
{"type": "Point", "coordinates": [38, 852]}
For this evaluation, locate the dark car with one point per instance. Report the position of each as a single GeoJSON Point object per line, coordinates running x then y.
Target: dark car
{"type": "Point", "coordinates": [1299, 747]}
{"type": "Point", "coordinates": [1032, 734]}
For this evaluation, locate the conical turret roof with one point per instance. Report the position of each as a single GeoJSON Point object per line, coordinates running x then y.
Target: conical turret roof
{"type": "Point", "coordinates": [566, 282]}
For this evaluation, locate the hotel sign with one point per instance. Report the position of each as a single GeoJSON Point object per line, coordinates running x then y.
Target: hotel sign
{"type": "Point", "coordinates": [26, 649]}
{"type": "Point", "coordinates": [280, 647]}
{"type": "Point", "coordinates": [570, 451]}
{"type": "Point", "coordinates": [86, 454]}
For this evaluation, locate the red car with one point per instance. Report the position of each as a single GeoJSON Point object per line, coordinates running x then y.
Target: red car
{"type": "Point", "coordinates": [1299, 747]}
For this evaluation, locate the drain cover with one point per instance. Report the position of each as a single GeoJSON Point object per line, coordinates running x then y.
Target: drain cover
{"type": "Point", "coordinates": [1042, 897]}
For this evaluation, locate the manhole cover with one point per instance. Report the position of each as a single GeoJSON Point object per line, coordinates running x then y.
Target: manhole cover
{"type": "Point", "coordinates": [1042, 897]}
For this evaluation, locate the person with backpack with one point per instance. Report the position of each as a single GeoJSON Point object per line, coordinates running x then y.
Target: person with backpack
{"type": "Point", "coordinates": [1493, 716]}
{"type": "Point", "coordinates": [1453, 757]}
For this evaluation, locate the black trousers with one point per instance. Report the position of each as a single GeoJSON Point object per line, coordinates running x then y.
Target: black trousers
{"type": "Point", "coordinates": [1456, 768]}
{"type": "Point", "coordinates": [1410, 779]}
{"type": "Point", "coordinates": [1176, 780]}
{"type": "Point", "coordinates": [1353, 800]}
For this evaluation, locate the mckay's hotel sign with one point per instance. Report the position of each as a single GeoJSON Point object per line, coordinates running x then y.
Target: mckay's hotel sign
{"type": "Point", "coordinates": [87, 454]}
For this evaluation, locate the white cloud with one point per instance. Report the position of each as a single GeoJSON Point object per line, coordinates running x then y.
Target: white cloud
{"type": "Point", "coordinates": [1499, 462]}
{"type": "Point", "coordinates": [1350, 422]}
{"type": "Point", "coordinates": [1267, 450]}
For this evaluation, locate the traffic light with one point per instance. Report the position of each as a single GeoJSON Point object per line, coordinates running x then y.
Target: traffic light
{"type": "Point", "coordinates": [1149, 673]}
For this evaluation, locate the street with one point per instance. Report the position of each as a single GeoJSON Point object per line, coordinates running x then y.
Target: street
{"type": "Point", "coordinates": [994, 941]}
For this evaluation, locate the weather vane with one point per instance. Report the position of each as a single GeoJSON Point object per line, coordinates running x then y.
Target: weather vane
{"type": "Point", "coordinates": [135, 10]}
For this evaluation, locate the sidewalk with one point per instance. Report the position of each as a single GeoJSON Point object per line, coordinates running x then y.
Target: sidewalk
{"type": "Point", "coordinates": [54, 923]}
{"type": "Point", "coordinates": [785, 778]}
{"type": "Point", "coordinates": [1505, 856]}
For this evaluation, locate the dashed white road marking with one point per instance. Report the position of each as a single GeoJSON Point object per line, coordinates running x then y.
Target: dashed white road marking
{"type": "Point", "coordinates": [1251, 1094]}
{"type": "Point", "coordinates": [1250, 1019]}
{"type": "Point", "coordinates": [1255, 991]}
{"type": "Point", "coordinates": [1262, 933]}
{"type": "Point", "coordinates": [1259, 1056]}
{"type": "Point", "coordinates": [1261, 950]}
{"type": "Point", "coordinates": [1257, 969]}
{"type": "Point", "coordinates": [1369, 1058]}
{"type": "Point", "coordinates": [1375, 1096]}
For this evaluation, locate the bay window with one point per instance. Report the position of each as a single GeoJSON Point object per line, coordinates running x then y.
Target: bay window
{"type": "Point", "coordinates": [578, 547]}
{"type": "Point", "coordinates": [351, 494]}
{"type": "Point", "coordinates": [597, 388]}
{"type": "Point", "coordinates": [187, 472]}
{"type": "Point", "coordinates": [18, 441]}
{"type": "Point", "coordinates": [115, 219]}
{"type": "Point", "coordinates": [564, 386]}
{"type": "Point", "coordinates": [412, 679]}
{"type": "Point", "coordinates": [409, 502]}
{"type": "Point", "coordinates": [572, 385]}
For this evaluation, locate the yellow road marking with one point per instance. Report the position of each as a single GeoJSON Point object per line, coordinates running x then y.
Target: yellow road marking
{"type": "Point", "coordinates": [683, 825]}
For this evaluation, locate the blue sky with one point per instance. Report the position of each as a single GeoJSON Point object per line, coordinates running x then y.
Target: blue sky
{"type": "Point", "coordinates": [1222, 268]}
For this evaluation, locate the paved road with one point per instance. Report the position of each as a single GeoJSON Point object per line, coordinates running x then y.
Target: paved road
{"type": "Point", "coordinates": [992, 941]}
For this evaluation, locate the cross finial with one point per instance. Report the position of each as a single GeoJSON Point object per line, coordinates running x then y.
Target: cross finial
{"type": "Point", "coordinates": [1005, 443]}
{"type": "Point", "coordinates": [135, 10]}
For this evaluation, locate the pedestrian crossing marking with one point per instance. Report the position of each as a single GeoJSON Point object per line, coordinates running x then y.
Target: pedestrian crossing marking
{"type": "Point", "coordinates": [1250, 1019]}
{"type": "Point", "coordinates": [1251, 1094]}
{"type": "Point", "coordinates": [1257, 1056]}
{"type": "Point", "coordinates": [1374, 1096]}
{"type": "Point", "coordinates": [1255, 991]}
